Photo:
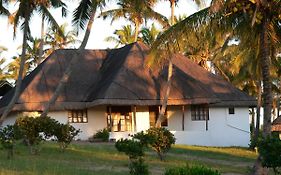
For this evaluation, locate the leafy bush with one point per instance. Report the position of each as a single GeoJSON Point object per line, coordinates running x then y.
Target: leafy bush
{"type": "Point", "coordinates": [161, 140]}
{"type": "Point", "coordinates": [30, 128]}
{"type": "Point", "coordinates": [8, 137]}
{"type": "Point", "coordinates": [270, 151]}
{"type": "Point", "coordinates": [193, 170]}
{"type": "Point", "coordinates": [64, 134]}
{"type": "Point", "coordinates": [102, 134]}
{"type": "Point", "coordinates": [135, 151]}
{"type": "Point", "coordinates": [34, 130]}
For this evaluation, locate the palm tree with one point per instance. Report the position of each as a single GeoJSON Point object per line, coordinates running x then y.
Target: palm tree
{"type": "Point", "coordinates": [124, 36]}
{"type": "Point", "coordinates": [59, 39]}
{"type": "Point", "coordinates": [170, 71]}
{"type": "Point", "coordinates": [25, 11]}
{"type": "Point", "coordinates": [84, 13]}
{"type": "Point", "coordinates": [149, 35]}
{"type": "Point", "coordinates": [136, 11]}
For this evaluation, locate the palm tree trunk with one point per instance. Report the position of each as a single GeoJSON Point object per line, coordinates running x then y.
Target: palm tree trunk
{"type": "Point", "coordinates": [173, 4]}
{"type": "Point", "coordinates": [69, 68]}
{"type": "Point", "coordinates": [41, 41]}
{"type": "Point", "coordinates": [137, 28]}
{"type": "Point", "coordinates": [267, 91]}
{"type": "Point", "coordinates": [165, 100]}
{"type": "Point", "coordinates": [257, 129]}
{"type": "Point", "coordinates": [21, 71]}
{"type": "Point", "coordinates": [169, 79]}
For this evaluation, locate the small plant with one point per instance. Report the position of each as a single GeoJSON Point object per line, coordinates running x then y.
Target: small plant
{"type": "Point", "coordinates": [102, 134]}
{"type": "Point", "coordinates": [64, 134]}
{"type": "Point", "coordinates": [135, 151]}
{"type": "Point", "coordinates": [8, 137]}
{"type": "Point", "coordinates": [161, 140]}
{"type": "Point", "coordinates": [270, 151]}
{"type": "Point", "coordinates": [191, 170]}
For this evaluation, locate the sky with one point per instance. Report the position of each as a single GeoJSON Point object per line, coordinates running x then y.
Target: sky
{"type": "Point", "coordinates": [100, 30]}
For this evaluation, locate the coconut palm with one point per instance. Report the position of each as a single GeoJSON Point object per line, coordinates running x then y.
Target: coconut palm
{"type": "Point", "coordinates": [124, 36]}
{"type": "Point", "coordinates": [25, 11]}
{"type": "Point", "coordinates": [149, 35]}
{"type": "Point", "coordinates": [59, 39]}
{"type": "Point", "coordinates": [136, 11]}
{"type": "Point", "coordinates": [84, 13]}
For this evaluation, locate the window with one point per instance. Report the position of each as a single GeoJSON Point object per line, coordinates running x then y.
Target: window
{"type": "Point", "coordinates": [231, 110]}
{"type": "Point", "coordinates": [199, 112]}
{"type": "Point", "coordinates": [121, 118]}
{"type": "Point", "coordinates": [78, 116]}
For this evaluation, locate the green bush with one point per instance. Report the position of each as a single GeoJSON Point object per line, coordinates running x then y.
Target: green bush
{"type": "Point", "coordinates": [31, 130]}
{"type": "Point", "coordinates": [102, 134]}
{"type": "Point", "coordinates": [8, 136]}
{"type": "Point", "coordinates": [161, 140]}
{"type": "Point", "coordinates": [270, 151]}
{"type": "Point", "coordinates": [64, 134]}
{"type": "Point", "coordinates": [35, 130]}
{"type": "Point", "coordinates": [193, 170]}
{"type": "Point", "coordinates": [135, 151]}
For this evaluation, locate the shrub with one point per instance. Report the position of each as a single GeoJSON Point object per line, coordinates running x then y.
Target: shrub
{"type": "Point", "coordinates": [64, 134]}
{"type": "Point", "coordinates": [193, 170]}
{"type": "Point", "coordinates": [8, 137]}
{"type": "Point", "coordinates": [30, 128]}
{"type": "Point", "coordinates": [102, 134]}
{"type": "Point", "coordinates": [270, 151]}
{"type": "Point", "coordinates": [135, 151]}
{"type": "Point", "coordinates": [161, 140]}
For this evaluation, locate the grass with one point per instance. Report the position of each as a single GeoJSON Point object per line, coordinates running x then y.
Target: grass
{"type": "Point", "coordinates": [103, 159]}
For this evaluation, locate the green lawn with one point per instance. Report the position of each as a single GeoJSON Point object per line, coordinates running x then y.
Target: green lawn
{"type": "Point", "coordinates": [103, 159]}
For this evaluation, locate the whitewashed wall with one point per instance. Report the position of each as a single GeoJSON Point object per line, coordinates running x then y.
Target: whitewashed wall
{"type": "Point", "coordinates": [223, 129]}
{"type": "Point", "coordinates": [96, 121]}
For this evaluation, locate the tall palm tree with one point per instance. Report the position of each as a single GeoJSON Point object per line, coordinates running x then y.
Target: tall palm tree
{"type": "Point", "coordinates": [25, 11]}
{"type": "Point", "coordinates": [170, 70]}
{"type": "Point", "coordinates": [84, 13]}
{"type": "Point", "coordinates": [136, 11]}
{"type": "Point", "coordinates": [124, 36]}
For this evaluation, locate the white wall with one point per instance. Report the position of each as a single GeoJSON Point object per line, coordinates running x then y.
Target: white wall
{"type": "Point", "coordinates": [142, 118]}
{"type": "Point", "coordinates": [223, 129]}
{"type": "Point", "coordinates": [96, 121]}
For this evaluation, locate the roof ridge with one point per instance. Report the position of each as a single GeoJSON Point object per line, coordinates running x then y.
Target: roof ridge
{"type": "Point", "coordinates": [105, 68]}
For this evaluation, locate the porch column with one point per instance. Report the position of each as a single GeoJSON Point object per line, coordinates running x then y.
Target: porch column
{"type": "Point", "coordinates": [135, 116]}
{"type": "Point", "coordinates": [182, 117]}
{"type": "Point", "coordinates": [206, 119]}
{"type": "Point", "coordinates": [109, 108]}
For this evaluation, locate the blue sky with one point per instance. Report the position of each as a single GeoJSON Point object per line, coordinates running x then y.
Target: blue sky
{"type": "Point", "coordinates": [101, 28]}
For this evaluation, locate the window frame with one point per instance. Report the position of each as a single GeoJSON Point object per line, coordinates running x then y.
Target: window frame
{"type": "Point", "coordinates": [121, 119]}
{"type": "Point", "coordinates": [78, 116]}
{"type": "Point", "coordinates": [199, 112]}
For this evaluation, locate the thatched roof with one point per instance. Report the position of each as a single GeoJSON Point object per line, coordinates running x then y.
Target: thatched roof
{"type": "Point", "coordinates": [276, 124]}
{"type": "Point", "coordinates": [120, 77]}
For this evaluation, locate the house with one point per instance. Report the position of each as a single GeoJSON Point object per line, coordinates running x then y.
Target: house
{"type": "Point", "coordinates": [114, 89]}
{"type": "Point", "coordinates": [4, 87]}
